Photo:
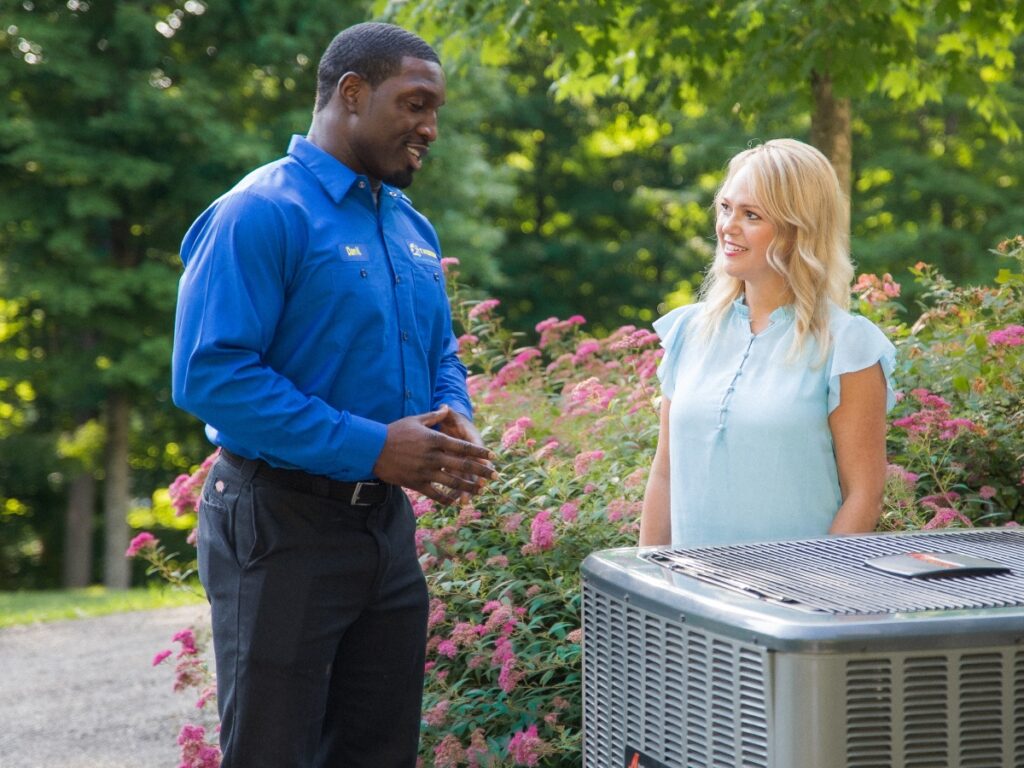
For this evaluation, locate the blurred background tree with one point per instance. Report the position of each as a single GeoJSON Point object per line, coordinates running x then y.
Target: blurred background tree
{"type": "Point", "coordinates": [579, 152]}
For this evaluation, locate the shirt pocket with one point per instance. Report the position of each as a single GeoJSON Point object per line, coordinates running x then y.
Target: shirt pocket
{"type": "Point", "coordinates": [431, 299]}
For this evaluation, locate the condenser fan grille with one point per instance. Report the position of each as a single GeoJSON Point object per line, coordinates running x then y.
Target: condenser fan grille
{"type": "Point", "coordinates": [830, 576]}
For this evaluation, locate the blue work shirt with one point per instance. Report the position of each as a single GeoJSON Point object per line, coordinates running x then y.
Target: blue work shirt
{"type": "Point", "coordinates": [310, 317]}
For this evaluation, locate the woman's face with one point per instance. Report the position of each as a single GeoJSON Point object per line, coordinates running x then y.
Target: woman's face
{"type": "Point", "coordinates": [744, 233]}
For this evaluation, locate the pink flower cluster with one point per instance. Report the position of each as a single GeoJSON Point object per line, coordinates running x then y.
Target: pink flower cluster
{"type": "Point", "coordinates": [933, 420]}
{"type": "Point", "coordinates": [553, 329]}
{"type": "Point", "coordinates": [191, 670]}
{"type": "Point", "coordinates": [186, 490]}
{"type": "Point", "coordinates": [195, 751]}
{"type": "Point", "coordinates": [590, 396]}
{"type": "Point", "coordinates": [902, 475]}
{"type": "Point", "coordinates": [628, 337]}
{"type": "Point", "coordinates": [144, 540]}
{"type": "Point", "coordinates": [436, 715]}
{"type": "Point", "coordinates": [483, 309]}
{"type": "Point", "coordinates": [513, 370]}
{"type": "Point", "coordinates": [421, 504]}
{"type": "Point", "coordinates": [570, 511]}
{"type": "Point", "coordinates": [526, 747]}
{"type": "Point", "coordinates": [947, 517]}
{"type": "Point", "coordinates": [516, 433]}
{"type": "Point", "coordinates": [449, 752]}
{"type": "Point", "coordinates": [467, 341]}
{"type": "Point", "coordinates": [874, 289]}
{"type": "Point", "coordinates": [1010, 336]}
{"type": "Point", "coordinates": [542, 533]}
{"type": "Point", "coordinates": [587, 348]}
{"type": "Point", "coordinates": [581, 464]}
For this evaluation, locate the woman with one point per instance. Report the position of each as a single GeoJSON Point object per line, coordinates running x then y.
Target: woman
{"type": "Point", "coordinates": [773, 415]}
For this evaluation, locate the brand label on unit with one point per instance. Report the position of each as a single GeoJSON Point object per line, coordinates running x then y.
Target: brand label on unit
{"type": "Point", "coordinates": [634, 758]}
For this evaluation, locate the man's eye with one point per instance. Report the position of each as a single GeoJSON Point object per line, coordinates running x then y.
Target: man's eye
{"type": "Point", "coordinates": [415, 106]}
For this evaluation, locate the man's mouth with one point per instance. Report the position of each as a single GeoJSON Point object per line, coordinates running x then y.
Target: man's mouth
{"type": "Point", "coordinates": [417, 152]}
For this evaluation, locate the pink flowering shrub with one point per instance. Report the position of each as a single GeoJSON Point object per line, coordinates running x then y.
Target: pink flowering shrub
{"type": "Point", "coordinates": [574, 421]}
{"type": "Point", "coordinates": [191, 669]}
{"type": "Point", "coordinates": [956, 438]}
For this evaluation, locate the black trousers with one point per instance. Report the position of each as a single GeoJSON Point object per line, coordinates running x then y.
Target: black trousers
{"type": "Point", "coordinates": [319, 624]}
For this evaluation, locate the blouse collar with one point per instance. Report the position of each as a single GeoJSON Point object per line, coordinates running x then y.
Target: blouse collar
{"type": "Point", "coordinates": [784, 312]}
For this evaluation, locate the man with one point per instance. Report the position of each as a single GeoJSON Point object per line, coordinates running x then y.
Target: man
{"type": "Point", "coordinates": [314, 338]}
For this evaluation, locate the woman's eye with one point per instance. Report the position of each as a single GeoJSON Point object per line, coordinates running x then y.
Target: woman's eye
{"type": "Point", "coordinates": [752, 216]}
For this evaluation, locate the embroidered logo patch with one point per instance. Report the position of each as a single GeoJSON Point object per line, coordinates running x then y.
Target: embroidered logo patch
{"type": "Point", "coordinates": [421, 252]}
{"type": "Point", "coordinates": [353, 252]}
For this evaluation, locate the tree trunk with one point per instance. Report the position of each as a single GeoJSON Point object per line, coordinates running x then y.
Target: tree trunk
{"type": "Point", "coordinates": [116, 567]}
{"type": "Point", "coordinates": [830, 132]}
{"type": "Point", "coordinates": [78, 530]}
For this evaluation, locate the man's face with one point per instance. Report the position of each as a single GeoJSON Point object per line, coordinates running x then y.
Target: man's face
{"type": "Point", "coordinates": [397, 122]}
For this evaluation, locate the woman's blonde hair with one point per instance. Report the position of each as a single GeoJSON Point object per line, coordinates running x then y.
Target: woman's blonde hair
{"type": "Point", "coordinates": [798, 191]}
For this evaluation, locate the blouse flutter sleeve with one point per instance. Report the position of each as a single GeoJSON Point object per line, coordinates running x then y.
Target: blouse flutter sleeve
{"type": "Point", "coordinates": [671, 328]}
{"type": "Point", "coordinates": [859, 344]}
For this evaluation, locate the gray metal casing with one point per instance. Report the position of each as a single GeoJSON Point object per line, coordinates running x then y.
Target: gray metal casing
{"type": "Point", "coordinates": [694, 675]}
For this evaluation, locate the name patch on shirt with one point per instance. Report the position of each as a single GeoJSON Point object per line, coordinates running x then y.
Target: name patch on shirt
{"type": "Point", "coordinates": [422, 252]}
{"type": "Point", "coordinates": [354, 252]}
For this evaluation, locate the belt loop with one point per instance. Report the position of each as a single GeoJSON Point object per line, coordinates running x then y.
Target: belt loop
{"type": "Point", "coordinates": [248, 468]}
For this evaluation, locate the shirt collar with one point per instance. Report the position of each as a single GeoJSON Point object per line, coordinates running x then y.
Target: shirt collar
{"type": "Point", "coordinates": [334, 176]}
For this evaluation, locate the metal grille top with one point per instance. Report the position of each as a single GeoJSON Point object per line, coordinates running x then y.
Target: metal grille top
{"type": "Point", "coordinates": [828, 575]}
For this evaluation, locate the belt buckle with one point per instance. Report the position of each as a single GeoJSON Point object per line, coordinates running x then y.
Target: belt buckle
{"type": "Point", "coordinates": [355, 495]}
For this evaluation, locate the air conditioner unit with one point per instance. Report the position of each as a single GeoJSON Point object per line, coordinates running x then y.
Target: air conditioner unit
{"type": "Point", "coordinates": [876, 651]}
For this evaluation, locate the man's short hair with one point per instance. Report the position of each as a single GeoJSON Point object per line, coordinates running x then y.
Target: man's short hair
{"type": "Point", "coordinates": [373, 50]}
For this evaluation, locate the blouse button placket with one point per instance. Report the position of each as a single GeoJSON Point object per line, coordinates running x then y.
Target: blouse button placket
{"type": "Point", "coordinates": [724, 405]}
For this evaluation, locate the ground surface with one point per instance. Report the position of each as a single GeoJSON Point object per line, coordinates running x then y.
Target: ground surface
{"type": "Point", "coordinates": [83, 693]}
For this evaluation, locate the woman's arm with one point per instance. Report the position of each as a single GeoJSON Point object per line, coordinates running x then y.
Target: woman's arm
{"type": "Point", "coordinates": [858, 434]}
{"type": "Point", "coordinates": [655, 524]}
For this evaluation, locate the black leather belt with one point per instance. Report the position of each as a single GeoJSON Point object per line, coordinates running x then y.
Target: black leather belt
{"type": "Point", "coordinates": [366, 493]}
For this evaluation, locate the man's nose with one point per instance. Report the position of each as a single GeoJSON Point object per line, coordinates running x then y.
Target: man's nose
{"type": "Point", "coordinates": [428, 126]}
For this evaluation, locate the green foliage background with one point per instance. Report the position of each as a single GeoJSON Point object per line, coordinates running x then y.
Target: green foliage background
{"type": "Point", "coordinates": [570, 178]}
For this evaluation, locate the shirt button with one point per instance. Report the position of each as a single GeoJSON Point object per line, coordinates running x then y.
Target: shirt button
{"type": "Point", "coordinates": [408, 394]}
{"type": "Point", "coordinates": [405, 335]}
{"type": "Point", "coordinates": [362, 273]}
{"type": "Point", "coordinates": [393, 194]}
{"type": "Point", "coordinates": [398, 279]}
{"type": "Point", "coordinates": [362, 185]}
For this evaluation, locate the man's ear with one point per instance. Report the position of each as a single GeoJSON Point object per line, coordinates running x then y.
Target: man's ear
{"type": "Point", "coordinates": [351, 86]}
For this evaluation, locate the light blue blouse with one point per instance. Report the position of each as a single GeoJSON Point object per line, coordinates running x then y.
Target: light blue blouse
{"type": "Point", "coordinates": [749, 442]}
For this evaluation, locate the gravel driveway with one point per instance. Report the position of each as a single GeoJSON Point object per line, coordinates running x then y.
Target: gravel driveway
{"type": "Point", "coordinates": [83, 693]}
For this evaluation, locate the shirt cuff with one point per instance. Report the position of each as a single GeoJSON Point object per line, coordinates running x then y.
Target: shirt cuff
{"type": "Point", "coordinates": [364, 442]}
